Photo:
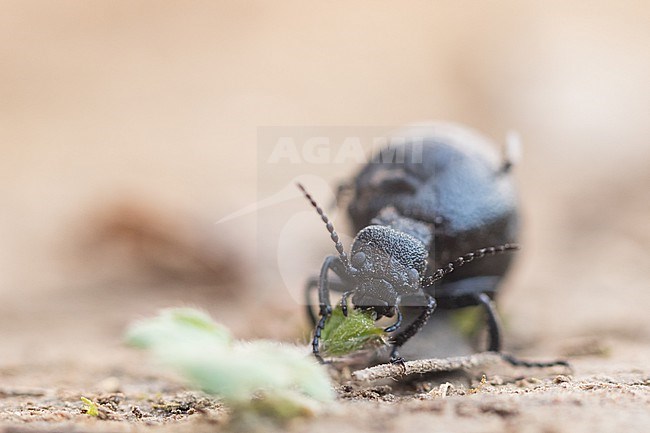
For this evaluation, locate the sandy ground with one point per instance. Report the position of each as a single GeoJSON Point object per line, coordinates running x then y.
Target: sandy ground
{"type": "Point", "coordinates": [608, 387]}
{"type": "Point", "coordinates": [601, 393]}
{"type": "Point", "coordinates": [128, 129]}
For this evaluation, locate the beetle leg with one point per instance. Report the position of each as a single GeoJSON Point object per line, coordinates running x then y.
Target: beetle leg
{"type": "Point", "coordinates": [494, 328]}
{"type": "Point", "coordinates": [336, 265]}
{"type": "Point", "coordinates": [312, 283]}
{"type": "Point", "coordinates": [319, 328]}
{"type": "Point", "coordinates": [344, 302]}
{"type": "Point", "coordinates": [412, 329]}
{"type": "Point", "coordinates": [512, 360]}
{"type": "Point", "coordinates": [493, 322]}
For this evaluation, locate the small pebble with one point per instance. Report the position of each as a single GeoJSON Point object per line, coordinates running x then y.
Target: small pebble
{"type": "Point", "coordinates": [561, 379]}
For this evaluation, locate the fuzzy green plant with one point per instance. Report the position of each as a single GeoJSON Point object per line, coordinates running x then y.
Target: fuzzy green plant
{"type": "Point", "coordinates": [343, 335]}
{"type": "Point", "coordinates": [263, 377]}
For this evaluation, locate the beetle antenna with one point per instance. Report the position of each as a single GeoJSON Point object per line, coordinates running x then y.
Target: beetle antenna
{"type": "Point", "coordinates": [328, 224]}
{"type": "Point", "coordinates": [439, 274]}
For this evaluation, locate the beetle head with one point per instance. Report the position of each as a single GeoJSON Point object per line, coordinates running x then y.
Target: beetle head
{"type": "Point", "coordinates": [385, 264]}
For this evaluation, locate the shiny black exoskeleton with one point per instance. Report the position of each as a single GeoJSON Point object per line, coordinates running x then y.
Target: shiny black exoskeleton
{"type": "Point", "coordinates": [453, 182]}
{"type": "Point", "coordinates": [386, 272]}
{"type": "Point", "coordinates": [425, 200]}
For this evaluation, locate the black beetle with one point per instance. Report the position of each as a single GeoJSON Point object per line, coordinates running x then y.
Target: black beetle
{"type": "Point", "coordinates": [438, 193]}
{"type": "Point", "coordinates": [452, 180]}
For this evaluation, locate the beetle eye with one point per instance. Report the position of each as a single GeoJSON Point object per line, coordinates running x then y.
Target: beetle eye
{"type": "Point", "coordinates": [414, 276]}
{"type": "Point", "coordinates": [358, 259]}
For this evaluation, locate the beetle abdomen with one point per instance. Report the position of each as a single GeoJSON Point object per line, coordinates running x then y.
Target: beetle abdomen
{"type": "Point", "coordinates": [448, 177]}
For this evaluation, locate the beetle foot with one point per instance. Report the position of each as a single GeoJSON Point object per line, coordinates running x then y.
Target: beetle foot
{"type": "Point", "coordinates": [396, 359]}
{"type": "Point", "coordinates": [516, 362]}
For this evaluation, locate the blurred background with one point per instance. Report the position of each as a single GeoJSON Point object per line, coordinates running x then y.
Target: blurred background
{"type": "Point", "coordinates": [127, 129]}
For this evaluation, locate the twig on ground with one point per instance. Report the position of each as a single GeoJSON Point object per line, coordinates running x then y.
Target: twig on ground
{"type": "Point", "coordinates": [385, 371]}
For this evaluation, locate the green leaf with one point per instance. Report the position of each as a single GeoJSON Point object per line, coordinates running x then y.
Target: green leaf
{"type": "Point", "coordinates": [343, 335]}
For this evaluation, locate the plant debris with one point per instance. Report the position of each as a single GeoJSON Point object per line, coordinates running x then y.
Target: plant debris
{"type": "Point", "coordinates": [262, 377]}
{"type": "Point", "coordinates": [90, 408]}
